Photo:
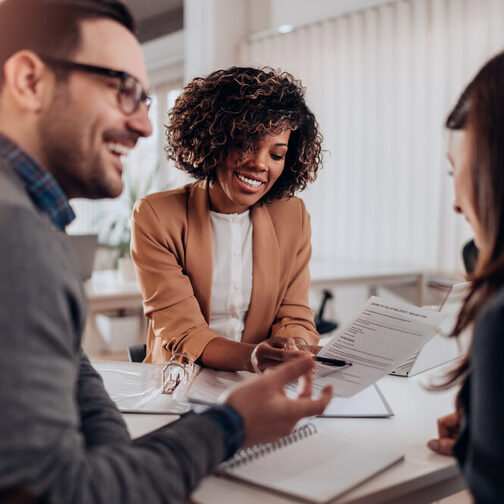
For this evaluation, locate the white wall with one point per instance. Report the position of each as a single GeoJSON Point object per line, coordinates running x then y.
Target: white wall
{"type": "Point", "coordinates": [213, 29]}
{"type": "Point", "coordinates": [380, 83]}
{"type": "Point", "coordinates": [299, 12]}
{"type": "Point", "coordinates": [164, 58]}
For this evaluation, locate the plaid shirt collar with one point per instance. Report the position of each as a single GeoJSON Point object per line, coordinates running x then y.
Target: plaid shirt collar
{"type": "Point", "coordinates": [40, 184]}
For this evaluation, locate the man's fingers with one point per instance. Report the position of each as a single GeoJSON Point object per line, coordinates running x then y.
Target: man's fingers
{"type": "Point", "coordinates": [305, 385]}
{"type": "Point", "coordinates": [443, 446]}
{"type": "Point", "coordinates": [312, 407]}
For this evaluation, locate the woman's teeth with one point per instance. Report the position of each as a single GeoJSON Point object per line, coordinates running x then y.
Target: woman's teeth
{"type": "Point", "coordinates": [249, 181]}
{"type": "Point", "coordinates": [117, 148]}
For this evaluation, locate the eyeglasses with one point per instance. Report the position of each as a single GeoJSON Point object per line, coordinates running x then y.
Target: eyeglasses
{"type": "Point", "coordinates": [130, 93]}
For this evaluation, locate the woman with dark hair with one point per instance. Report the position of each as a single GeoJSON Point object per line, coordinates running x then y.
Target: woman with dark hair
{"type": "Point", "coordinates": [223, 262]}
{"type": "Point", "coordinates": [474, 433]}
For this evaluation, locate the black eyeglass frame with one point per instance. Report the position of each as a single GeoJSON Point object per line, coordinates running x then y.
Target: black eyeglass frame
{"type": "Point", "coordinates": [107, 72]}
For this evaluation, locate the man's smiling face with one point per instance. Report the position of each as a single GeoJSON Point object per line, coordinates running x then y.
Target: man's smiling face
{"type": "Point", "coordinates": [84, 132]}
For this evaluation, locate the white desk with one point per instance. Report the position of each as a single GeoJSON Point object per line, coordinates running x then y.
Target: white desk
{"type": "Point", "coordinates": [341, 272]}
{"type": "Point", "coordinates": [106, 291]}
{"type": "Point", "coordinates": [422, 477]}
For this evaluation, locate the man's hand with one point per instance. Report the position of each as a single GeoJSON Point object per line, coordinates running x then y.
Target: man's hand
{"type": "Point", "coordinates": [267, 412]}
{"type": "Point", "coordinates": [274, 351]}
{"type": "Point", "coordinates": [448, 430]}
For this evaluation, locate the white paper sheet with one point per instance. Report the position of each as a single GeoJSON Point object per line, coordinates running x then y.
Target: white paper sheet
{"type": "Point", "coordinates": [380, 338]}
{"type": "Point", "coordinates": [368, 403]}
{"type": "Point", "coordinates": [210, 385]}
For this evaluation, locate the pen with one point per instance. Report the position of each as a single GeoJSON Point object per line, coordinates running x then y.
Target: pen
{"type": "Point", "coordinates": [332, 362]}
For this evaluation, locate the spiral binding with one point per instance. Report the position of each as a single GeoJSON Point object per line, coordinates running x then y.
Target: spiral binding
{"type": "Point", "coordinates": [246, 455]}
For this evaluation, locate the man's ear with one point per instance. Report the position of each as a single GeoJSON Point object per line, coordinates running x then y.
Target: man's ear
{"type": "Point", "coordinates": [28, 80]}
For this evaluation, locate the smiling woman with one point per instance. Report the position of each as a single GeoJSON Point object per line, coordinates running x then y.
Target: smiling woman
{"type": "Point", "coordinates": [223, 262]}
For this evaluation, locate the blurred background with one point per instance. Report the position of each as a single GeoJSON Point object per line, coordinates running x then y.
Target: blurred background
{"type": "Point", "coordinates": [380, 76]}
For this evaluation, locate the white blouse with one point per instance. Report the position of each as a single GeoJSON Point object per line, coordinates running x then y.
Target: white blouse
{"type": "Point", "coordinates": [232, 273]}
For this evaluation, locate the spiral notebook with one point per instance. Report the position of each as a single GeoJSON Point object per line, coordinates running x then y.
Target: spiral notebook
{"type": "Point", "coordinates": [308, 465]}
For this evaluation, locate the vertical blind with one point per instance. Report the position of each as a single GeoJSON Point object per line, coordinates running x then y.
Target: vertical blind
{"type": "Point", "coordinates": [380, 82]}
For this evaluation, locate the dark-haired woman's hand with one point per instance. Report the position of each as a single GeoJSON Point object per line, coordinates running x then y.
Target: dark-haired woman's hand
{"type": "Point", "coordinates": [274, 351]}
{"type": "Point", "coordinates": [448, 430]}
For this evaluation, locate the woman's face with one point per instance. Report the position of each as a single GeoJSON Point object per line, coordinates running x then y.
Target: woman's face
{"type": "Point", "coordinates": [459, 156]}
{"type": "Point", "coordinates": [243, 179]}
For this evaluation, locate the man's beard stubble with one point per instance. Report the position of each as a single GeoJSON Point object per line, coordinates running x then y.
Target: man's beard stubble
{"type": "Point", "coordinates": [79, 171]}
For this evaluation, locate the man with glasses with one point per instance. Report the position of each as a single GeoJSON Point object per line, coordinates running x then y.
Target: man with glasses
{"type": "Point", "coordinates": [73, 101]}
{"type": "Point", "coordinates": [130, 93]}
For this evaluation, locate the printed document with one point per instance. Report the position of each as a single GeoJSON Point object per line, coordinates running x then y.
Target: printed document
{"type": "Point", "coordinates": [210, 385]}
{"type": "Point", "coordinates": [380, 338]}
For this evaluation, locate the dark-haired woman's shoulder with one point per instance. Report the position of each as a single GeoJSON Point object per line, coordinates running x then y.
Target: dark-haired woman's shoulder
{"type": "Point", "coordinates": [489, 326]}
{"type": "Point", "coordinates": [484, 464]}
{"type": "Point", "coordinates": [487, 351]}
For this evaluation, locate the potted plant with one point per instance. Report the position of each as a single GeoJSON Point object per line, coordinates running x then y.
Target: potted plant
{"type": "Point", "coordinates": [115, 224]}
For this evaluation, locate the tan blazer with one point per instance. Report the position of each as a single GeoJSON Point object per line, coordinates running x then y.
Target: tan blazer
{"type": "Point", "coordinates": [172, 250]}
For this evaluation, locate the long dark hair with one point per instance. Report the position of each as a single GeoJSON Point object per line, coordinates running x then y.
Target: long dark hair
{"type": "Point", "coordinates": [480, 111]}
{"type": "Point", "coordinates": [52, 27]}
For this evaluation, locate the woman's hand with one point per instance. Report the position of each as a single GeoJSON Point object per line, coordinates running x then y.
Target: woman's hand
{"type": "Point", "coordinates": [448, 430]}
{"type": "Point", "coordinates": [276, 350]}
{"type": "Point", "coordinates": [303, 346]}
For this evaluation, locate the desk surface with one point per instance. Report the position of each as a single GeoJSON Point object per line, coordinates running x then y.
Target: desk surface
{"type": "Point", "coordinates": [107, 292]}
{"type": "Point", "coordinates": [109, 284]}
{"type": "Point", "coordinates": [422, 477]}
{"type": "Point", "coordinates": [345, 270]}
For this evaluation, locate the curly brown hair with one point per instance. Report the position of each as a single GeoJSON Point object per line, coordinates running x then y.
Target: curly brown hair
{"type": "Point", "coordinates": [235, 109]}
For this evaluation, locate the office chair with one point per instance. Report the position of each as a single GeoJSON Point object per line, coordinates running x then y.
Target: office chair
{"type": "Point", "coordinates": [324, 326]}
{"type": "Point", "coordinates": [470, 256]}
{"type": "Point", "coordinates": [137, 353]}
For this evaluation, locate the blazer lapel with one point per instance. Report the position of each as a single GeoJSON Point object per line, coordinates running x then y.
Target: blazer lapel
{"type": "Point", "coordinates": [199, 246]}
{"type": "Point", "coordinates": [265, 277]}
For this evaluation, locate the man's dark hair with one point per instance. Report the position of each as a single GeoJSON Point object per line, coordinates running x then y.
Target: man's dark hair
{"type": "Point", "coordinates": [52, 27]}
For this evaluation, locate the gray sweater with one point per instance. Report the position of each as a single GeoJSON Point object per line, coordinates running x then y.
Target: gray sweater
{"type": "Point", "coordinates": [60, 434]}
